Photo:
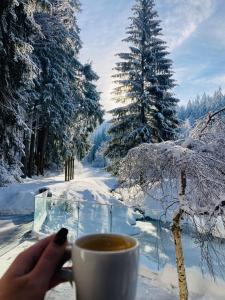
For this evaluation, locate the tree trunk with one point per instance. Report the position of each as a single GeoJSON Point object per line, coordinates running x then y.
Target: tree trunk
{"type": "Point", "coordinates": [176, 230]}
{"type": "Point", "coordinates": [42, 142]}
{"type": "Point", "coordinates": [25, 157]}
{"type": "Point", "coordinates": [143, 118]}
{"type": "Point", "coordinates": [71, 172]}
{"type": "Point", "coordinates": [66, 169]}
{"type": "Point", "coordinates": [73, 168]}
{"type": "Point", "coordinates": [69, 168]}
{"type": "Point", "coordinates": [30, 170]}
{"type": "Point", "coordinates": [43, 149]}
{"type": "Point", "coordinates": [142, 179]}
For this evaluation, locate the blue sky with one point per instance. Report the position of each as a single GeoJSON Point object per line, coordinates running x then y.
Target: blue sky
{"type": "Point", "coordinates": [193, 29]}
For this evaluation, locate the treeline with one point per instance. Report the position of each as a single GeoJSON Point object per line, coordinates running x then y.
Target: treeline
{"type": "Point", "coordinates": [49, 104]}
{"type": "Point", "coordinates": [201, 106]}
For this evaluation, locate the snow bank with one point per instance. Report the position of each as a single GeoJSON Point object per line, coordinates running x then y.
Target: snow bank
{"type": "Point", "coordinates": [199, 287]}
{"type": "Point", "coordinates": [18, 199]}
{"type": "Point", "coordinates": [155, 210]}
{"type": "Point", "coordinates": [15, 200]}
{"type": "Point", "coordinates": [6, 226]}
{"type": "Point", "coordinates": [153, 203]}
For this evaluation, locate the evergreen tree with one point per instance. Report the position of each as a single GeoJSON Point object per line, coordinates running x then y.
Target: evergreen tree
{"type": "Point", "coordinates": [57, 56]}
{"type": "Point", "coordinates": [49, 103]}
{"type": "Point", "coordinates": [100, 136]}
{"type": "Point", "coordinates": [144, 81]}
{"type": "Point", "coordinates": [90, 112]}
{"type": "Point", "coordinates": [68, 103]}
{"type": "Point", "coordinates": [17, 71]}
{"type": "Point", "coordinates": [201, 106]}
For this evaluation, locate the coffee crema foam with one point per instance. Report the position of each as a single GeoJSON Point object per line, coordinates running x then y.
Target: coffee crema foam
{"type": "Point", "coordinates": [105, 243]}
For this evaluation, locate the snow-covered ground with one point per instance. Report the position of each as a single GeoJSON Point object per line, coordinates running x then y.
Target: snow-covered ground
{"type": "Point", "coordinates": [91, 187]}
{"type": "Point", "coordinates": [148, 286]}
{"type": "Point", "coordinates": [12, 231]}
{"type": "Point", "coordinates": [157, 279]}
{"type": "Point", "coordinates": [86, 201]}
{"type": "Point", "coordinates": [151, 285]}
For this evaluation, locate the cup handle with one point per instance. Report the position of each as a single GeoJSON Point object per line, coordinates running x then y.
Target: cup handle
{"type": "Point", "coordinates": [66, 274]}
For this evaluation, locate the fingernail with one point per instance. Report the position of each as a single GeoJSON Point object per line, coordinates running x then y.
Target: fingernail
{"type": "Point", "coordinates": [61, 237]}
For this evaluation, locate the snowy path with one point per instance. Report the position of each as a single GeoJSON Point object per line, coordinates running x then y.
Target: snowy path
{"type": "Point", "coordinates": [89, 183]}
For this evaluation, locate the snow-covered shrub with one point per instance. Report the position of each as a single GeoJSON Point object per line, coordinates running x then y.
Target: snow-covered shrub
{"type": "Point", "coordinates": [187, 175]}
{"type": "Point", "coordinates": [9, 174]}
{"type": "Point", "coordinates": [157, 168]}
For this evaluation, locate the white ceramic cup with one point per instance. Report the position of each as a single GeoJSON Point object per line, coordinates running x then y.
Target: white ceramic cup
{"type": "Point", "coordinates": [105, 274]}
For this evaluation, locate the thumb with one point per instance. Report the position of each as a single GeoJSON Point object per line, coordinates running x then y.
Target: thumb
{"type": "Point", "coordinates": [51, 258]}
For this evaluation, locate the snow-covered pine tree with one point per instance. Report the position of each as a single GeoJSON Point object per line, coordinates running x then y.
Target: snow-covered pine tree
{"type": "Point", "coordinates": [57, 57]}
{"type": "Point", "coordinates": [46, 94]}
{"type": "Point", "coordinates": [17, 71]}
{"type": "Point", "coordinates": [98, 140]}
{"type": "Point", "coordinates": [144, 81]}
{"type": "Point", "coordinates": [90, 113]}
{"type": "Point", "coordinates": [68, 107]}
{"type": "Point", "coordinates": [201, 106]}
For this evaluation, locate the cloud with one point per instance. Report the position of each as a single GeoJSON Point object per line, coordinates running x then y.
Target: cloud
{"type": "Point", "coordinates": [218, 80]}
{"type": "Point", "coordinates": [193, 85]}
{"type": "Point", "coordinates": [186, 30]}
{"type": "Point", "coordinates": [181, 18]}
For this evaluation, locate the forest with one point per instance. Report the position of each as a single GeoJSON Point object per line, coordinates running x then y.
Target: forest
{"type": "Point", "coordinates": [49, 101]}
{"type": "Point", "coordinates": [201, 106]}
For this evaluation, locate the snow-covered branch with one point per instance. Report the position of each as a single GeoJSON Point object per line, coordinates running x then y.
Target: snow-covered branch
{"type": "Point", "coordinates": [157, 168]}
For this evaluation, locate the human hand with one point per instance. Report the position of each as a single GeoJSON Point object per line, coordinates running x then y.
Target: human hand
{"type": "Point", "coordinates": [34, 271]}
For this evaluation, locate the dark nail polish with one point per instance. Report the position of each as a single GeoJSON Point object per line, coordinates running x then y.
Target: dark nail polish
{"type": "Point", "coordinates": [61, 237]}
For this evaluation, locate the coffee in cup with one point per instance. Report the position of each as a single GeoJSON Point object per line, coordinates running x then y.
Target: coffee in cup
{"type": "Point", "coordinates": [105, 267]}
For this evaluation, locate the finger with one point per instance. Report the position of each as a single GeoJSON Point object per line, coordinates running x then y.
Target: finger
{"type": "Point", "coordinates": [58, 278]}
{"type": "Point", "coordinates": [26, 260]}
{"type": "Point", "coordinates": [64, 261]}
{"type": "Point", "coordinates": [51, 258]}
{"type": "Point", "coordinates": [66, 257]}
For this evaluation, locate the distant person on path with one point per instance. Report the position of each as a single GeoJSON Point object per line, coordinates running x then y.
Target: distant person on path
{"type": "Point", "coordinates": [34, 271]}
